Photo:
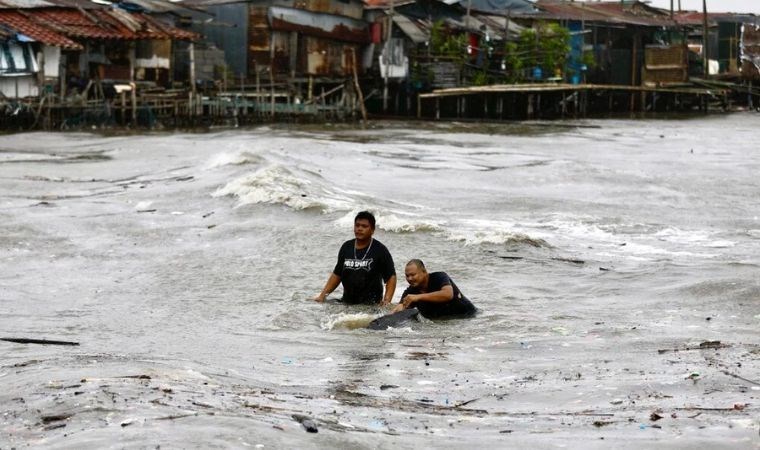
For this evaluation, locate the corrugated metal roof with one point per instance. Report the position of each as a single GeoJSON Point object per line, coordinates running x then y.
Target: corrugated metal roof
{"type": "Point", "coordinates": [636, 13]}
{"type": "Point", "coordinates": [417, 34]}
{"type": "Point", "coordinates": [696, 18]}
{"type": "Point", "coordinates": [495, 25]}
{"type": "Point", "coordinates": [21, 23]}
{"type": "Point", "coordinates": [318, 24]}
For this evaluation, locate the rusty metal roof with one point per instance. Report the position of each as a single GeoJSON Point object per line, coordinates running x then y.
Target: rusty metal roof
{"type": "Point", "coordinates": [696, 18]}
{"type": "Point", "coordinates": [611, 12]}
{"type": "Point", "coordinates": [22, 23]}
{"type": "Point", "coordinates": [318, 24]}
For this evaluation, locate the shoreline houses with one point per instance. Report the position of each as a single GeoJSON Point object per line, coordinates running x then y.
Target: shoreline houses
{"type": "Point", "coordinates": [71, 63]}
{"type": "Point", "coordinates": [57, 43]}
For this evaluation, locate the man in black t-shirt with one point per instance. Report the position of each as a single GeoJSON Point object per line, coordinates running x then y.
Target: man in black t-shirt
{"type": "Point", "coordinates": [433, 294]}
{"type": "Point", "coordinates": [364, 263]}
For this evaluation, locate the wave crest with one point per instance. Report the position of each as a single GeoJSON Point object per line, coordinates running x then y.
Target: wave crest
{"type": "Point", "coordinates": [394, 223]}
{"type": "Point", "coordinates": [233, 159]}
{"type": "Point", "coordinates": [498, 237]}
{"type": "Point", "coordinates": [278, 185]}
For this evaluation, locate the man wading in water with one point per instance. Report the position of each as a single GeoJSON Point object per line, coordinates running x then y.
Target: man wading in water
{"type": "Point", "coordinates": [433, 294]}
{"type": "Point", "coordinates": [363, 265]}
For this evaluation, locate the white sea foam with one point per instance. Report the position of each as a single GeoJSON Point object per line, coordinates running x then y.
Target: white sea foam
{"type": "Point", "coordinates": [475, 232]}
{"type": "Point", "coordinates": [143, 205]}
{"type": "Point", "coordinates": [233, 159]}
{"type": "Point", "coordinates": [395, 222]}
{"type": "Point", "coordinates": [408, 224]}
{"type": "Point", "coordinates": [278, 185]}
{"type": "Point", "coordinates": [347, 321]}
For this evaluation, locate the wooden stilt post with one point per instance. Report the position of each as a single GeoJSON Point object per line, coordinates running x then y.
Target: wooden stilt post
{"type": "Point", "coordinates": [529, 108]}
{"type": "Point", "coordinates": [271, 85]}
{"type": "Point", "coordinates": [634, 66]}
{"type": "Point", "coordinates": [191, 55]}
{"type": "Point", "coordinates": [358, 88]}
{"type": "Point", "coordinates": [133, 96]}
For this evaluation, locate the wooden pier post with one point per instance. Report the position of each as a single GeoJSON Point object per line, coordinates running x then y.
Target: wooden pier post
{"type": "Point", "coordinates": [258, 89]}
{"type": "Point", "coordinates": [271, 84]}
{"type": "Point", "coordinates": [529, 107]}
{"type": "Point", "coordinates": [133, 96]}
{"type": "Point", "coordinates": [358, 88]}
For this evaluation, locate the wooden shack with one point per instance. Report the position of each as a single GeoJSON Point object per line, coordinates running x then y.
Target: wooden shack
{"type": "Point", "coordinates": [292, 39]}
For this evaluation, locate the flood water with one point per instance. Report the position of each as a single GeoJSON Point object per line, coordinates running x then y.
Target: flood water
{"type": "Point", "coordinates": [614, 262]}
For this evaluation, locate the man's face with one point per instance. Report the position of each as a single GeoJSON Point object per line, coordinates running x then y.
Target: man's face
{"type": "Point", "coordinates": [414, 275]}
{"type": "Point", "coordinates": [362, 229]}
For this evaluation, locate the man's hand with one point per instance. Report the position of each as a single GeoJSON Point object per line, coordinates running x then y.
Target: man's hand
{"type": "Point", "coordinates": [385, 301]}
{"type": "Point", "coordinates": [320, 298]}
{"type": "Point", "coordinates": [409, 300]}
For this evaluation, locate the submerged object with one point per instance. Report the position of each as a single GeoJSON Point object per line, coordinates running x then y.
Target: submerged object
{"type": "Point", "coordinates": [393, 319]}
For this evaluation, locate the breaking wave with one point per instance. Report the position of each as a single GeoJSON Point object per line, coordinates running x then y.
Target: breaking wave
{"type": "Point", "coordinates": [233, 159]}
{"type": "Point", "coordinates": [394, 222]}
{"type": "Point", "coordinates": [498, 237]}
{"type": "Point", "coordinates": [279, 185]}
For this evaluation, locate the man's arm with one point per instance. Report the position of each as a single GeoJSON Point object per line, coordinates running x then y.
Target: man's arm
{"type": "Point", "coordinates": [444, 295]}
{"type": "Point", "coordinates": [331, 285]}
{"type": "Point", "coordinates": [390, 289]}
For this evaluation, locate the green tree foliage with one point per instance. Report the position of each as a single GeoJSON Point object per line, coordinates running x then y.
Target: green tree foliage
{"type": "Point", "coordinates": [443, 43]}
{"type": "Point", "coordinates": [545, 46]}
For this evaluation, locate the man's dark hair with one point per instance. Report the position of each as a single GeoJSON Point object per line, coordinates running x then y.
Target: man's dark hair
{"type": "Point", "coordinates": [417, 262]}
{"type": "Point", "coordinates": [366, 215]}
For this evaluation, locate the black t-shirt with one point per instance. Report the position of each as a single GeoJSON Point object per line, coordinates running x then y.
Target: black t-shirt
{"type": "Point", "coordinates": [459, 305]}
{"type": "Point", "coordinates": [363, 272]}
